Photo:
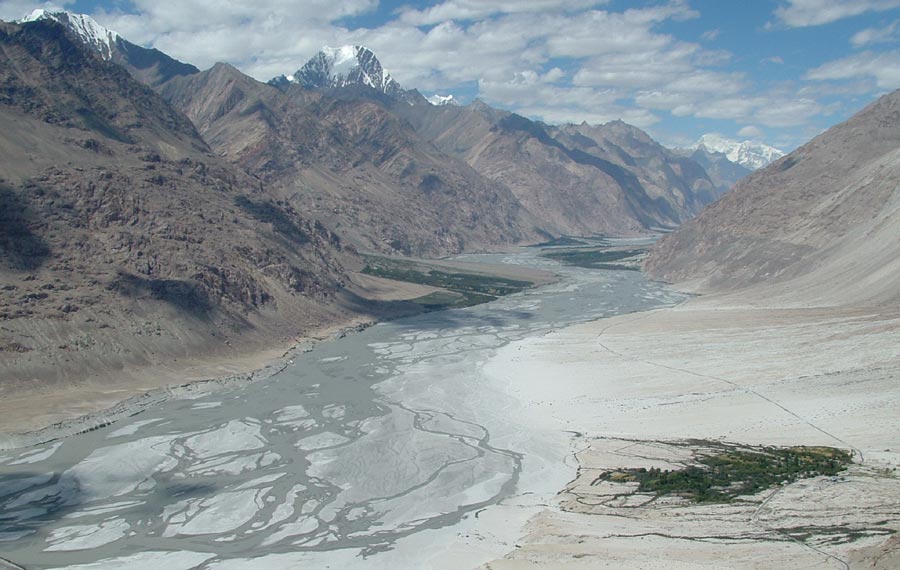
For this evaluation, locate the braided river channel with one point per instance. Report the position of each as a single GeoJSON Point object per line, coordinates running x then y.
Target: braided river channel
{"type": "Point", "coordinates": [392, 448]}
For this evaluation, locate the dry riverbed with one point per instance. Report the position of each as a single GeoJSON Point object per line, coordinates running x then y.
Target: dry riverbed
{"type": "Point", "coordinates": [42, 411]}
{"type": "Point", "coordinates": [643, 390]}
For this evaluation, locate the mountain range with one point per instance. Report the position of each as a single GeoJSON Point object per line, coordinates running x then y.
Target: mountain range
{"type": "Point", "coordinates": [149, 66]}
{"type": "Point", "coordinates": [153, 212]}
{"type": "Point", "coordinates": [126, 241]}
{"type": "Point", "coordinates": [543, 180]}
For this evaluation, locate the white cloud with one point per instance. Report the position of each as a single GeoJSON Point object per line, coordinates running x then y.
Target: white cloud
{"type": "Point", "coordinates": [559, 60]}
{"type": "Point", "coordinates": [637, 117]}
{"type": "Point", "coordinates": [596, 33]}
{"type": "Point", "coordinates": [651, 66]}
{"type": "Point", "coordinates": [802, 13]}
{"type": "Point", "coordinates": [250, 35]}
{"type": "Point", "coordinates": [735, 108]}
{"type": "Point", "coordinates": [884, 68]}
{"type": "Point", "coordinates": [750, 132]}
{"type": "Point", "coordinates": [791, 113]}
{"type": "Point", "coordinates": [869, 36]}
{"type": "Point", "coordinates": [467, 10]}
{"type": "Point", "coordinates": [17, 9]}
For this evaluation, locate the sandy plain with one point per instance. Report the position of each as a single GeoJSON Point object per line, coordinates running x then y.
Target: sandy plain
{"type": "Point", "coordinates": [645, 389]}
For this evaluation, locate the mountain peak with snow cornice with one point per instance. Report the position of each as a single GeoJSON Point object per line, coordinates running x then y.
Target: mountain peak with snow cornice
{"type": "Point", "coordinates": [86, 28]}
{"type": "Point", "coordinates": [148, 65]}
{"type": "Point", "coordinates": [750, 154]}
{"type": "Point", "coordinates": [441, 100]}
{"type": "Point", "coordinates": [342, 67]}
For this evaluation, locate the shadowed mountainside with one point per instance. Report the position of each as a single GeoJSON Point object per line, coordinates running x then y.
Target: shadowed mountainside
{"type": "Point", "coordinates": [578, 180]}
{"type": "Point", "coordinates": [722, 172]}
{"type": "Point", "coordinates": [125, 241]}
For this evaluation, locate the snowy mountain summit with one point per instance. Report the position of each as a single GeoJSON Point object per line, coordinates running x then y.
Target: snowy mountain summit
{"type": "Point", "coordinates": [342, 67]}
{"type": "Point", "coordinates": [750, 154]}
{"type": "Point", "coordinates": [91, 33]}
{"type": "Point", "coordinates": [440, 100]}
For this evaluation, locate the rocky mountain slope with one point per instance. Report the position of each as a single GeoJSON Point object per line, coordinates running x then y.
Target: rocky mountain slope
{"type": "Point", "coordinates": [679, 185]}
{"type": "Point", "coordinates": [352, 164]}
{"type": "Point", "coordinates": [817, 226]}
{"type": "Point", "coordinates": [334, 141]}
{"type": "Point", "coordinates": [125, 241]}
{"type": "Point", "coordinates": [149, 66]}
{"type": "Point", "coordinates": [577, 180]}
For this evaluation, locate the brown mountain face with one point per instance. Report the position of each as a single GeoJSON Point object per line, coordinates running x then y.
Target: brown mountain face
{"type": "Point", "coordinates": [576, 180]}
{"type": "Point", "coordinates": [123, 240]}
{"type": "Point", "coordinates": [817, 226]}
{"type": "Point", "coordinates": [343, 158]}
{"type": "Point", "coordinates": [149, 66]}
{"type": "Point", "coordinates": [679, 187]}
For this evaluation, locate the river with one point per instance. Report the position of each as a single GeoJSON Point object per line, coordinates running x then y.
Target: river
{"type": "Point", "coordinates": [392, 448]}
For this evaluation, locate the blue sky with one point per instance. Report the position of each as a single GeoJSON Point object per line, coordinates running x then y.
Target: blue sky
{"type": "Point", "coordinates": [778, 71]}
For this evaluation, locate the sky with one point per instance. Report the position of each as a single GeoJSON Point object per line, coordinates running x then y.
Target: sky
{"type": "Point", "coordinates": [775, 71]}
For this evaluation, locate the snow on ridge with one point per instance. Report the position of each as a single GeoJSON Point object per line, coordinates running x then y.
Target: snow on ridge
{"type": "Point", "coordinates": [439, 100]}
{"type": "Point", "coordinates": [343, 66]}
{"type": "Point", "coordinates": [342, 54]}
{"type": "Point", "coordinates": [751, 154]}
{"type": "Point", "coordinates": [85, 27]}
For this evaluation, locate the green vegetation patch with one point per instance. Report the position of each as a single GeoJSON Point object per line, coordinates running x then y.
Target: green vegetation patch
{"type": "Point", "coordinates": [720, 477]}
{"type": "Point", "coordinates": [561, 241]}
{"type": "Point", "coordinates": [462, 289]}
{"type": "Point", "coordinates": [574, 241]}
{"type": "Point", "coordinates": [594, 258]}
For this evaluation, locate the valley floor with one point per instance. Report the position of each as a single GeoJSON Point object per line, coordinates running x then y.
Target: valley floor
{"type": "Point", "coordinates": [35, 409]}
{"type": "Point", "coordinates": [642, 390]}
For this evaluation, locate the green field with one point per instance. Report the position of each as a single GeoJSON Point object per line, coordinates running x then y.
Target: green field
{"type": "Point", "coordinates": [721, 476]}
{"type": "Point", "coordinates": [462, 289]}
{"type": "Point", "coordinates": [593, 258]}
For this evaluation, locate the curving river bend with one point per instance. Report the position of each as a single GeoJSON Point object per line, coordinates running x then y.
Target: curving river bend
{"type": "Point", "coordinates": [392, 448]}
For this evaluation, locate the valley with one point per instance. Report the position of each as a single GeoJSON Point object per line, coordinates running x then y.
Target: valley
{"type": "Point", "coordinates": [327, 320]}
{"type": "Point", "coordinates": [316, 433]}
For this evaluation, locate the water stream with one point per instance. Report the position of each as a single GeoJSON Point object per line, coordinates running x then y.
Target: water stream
{"type": "Point", "coordinates": [356, 455]}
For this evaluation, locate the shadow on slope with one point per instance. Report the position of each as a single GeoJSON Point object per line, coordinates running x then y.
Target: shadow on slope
{"type": "Point", "coordinates": [20, 247]}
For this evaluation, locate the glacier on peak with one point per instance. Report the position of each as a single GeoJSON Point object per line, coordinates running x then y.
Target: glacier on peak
{"type": "Point", "coordinates": [85, 27]}
{"type": "Point", "coordinates": [750, 154]}
{"type": "Point", "coordinates": [439, 100]}
{"type": "Point", "coordinates": [343, 66]}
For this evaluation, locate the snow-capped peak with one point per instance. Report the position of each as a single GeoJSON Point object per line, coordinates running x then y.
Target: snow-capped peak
{"type": "Point", "coordinates": [85, 27]}
{"type": "Point", "coordinates": [439, 100]}
{"type": "Point", "coordinates": [751, 154]}
{"type": "Point", "coordinates": [343, 66]}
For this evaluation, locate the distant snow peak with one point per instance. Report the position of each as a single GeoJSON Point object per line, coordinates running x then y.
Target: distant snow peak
{"type": "Point", "coordinates": [344, 66]}
{"type": "Point", "coordinates": [441, 100]}
{"type": "Point", "coordinates": [751, 154]}
{"type": "Point", "coordinates": [91, 33]}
